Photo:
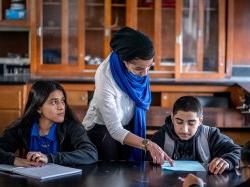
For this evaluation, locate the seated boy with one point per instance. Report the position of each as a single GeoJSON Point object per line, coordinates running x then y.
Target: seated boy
{"type": "Point", "coordinates": [184, 137]}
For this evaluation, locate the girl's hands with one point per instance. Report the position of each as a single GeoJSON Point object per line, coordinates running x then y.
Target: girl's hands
{"type": "Point", "coordinates": [20, 162]}
{"type": "Point", "coordinates": [37, 157]}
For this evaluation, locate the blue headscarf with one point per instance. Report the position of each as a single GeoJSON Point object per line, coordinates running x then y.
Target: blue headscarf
{"type": "Point", "coordinates": [138, 89]}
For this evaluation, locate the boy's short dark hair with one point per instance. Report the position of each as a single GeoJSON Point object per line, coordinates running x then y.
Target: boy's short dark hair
{"type": "Point", "coordinates": [188, 104]}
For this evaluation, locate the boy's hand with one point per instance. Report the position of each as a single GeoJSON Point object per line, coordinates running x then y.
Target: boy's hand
{"type": "Point", "coordinates": [37, 157]}
{"type": "Point", "coordinates": [218, 166]}
{"type": "Point", "coordinates": [20, 162]}
{"type": "Point", "coordinates": [157, 154]}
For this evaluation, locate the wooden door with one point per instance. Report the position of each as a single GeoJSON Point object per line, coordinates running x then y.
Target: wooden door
{"type": "Point", "coordinates": [238, 38]}
{"type": "Point", "coordinates": [200, 39]}
{"type": "Point", "coordinates": [157, 20]}
{"type": "Point", "coordinates": [57, 37]}
{"type": "Point", "coordinates": [12, 103]}
{"type": "Point", "coordinates": [102, 19]}
{"type": "Point", "coordinates": [71, 37]}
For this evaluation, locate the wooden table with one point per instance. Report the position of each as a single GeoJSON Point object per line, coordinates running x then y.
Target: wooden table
{"type": "Point", "coordinates": [126, 174]}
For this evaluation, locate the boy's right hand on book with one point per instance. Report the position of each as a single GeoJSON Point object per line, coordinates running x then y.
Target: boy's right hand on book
{"type": "Point", "coordinates": [20, 162]}
{"type": "Point", "coordinates": [157, 154]}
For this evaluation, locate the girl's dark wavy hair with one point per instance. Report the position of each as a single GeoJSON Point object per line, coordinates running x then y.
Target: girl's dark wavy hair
{"type": "Point", "coordinates": [38, 94]}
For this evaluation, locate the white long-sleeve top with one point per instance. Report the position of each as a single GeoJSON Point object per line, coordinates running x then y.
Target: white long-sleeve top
{"type": "Point", "coordinates": [110, 106]}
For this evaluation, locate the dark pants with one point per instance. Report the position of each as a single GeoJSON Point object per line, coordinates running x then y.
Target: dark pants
{"type": "Point", "coordinates": [107, 147]}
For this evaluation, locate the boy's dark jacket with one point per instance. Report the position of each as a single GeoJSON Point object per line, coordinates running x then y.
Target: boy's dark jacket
{"type": "Point", "coordinates": [74, 144]}
{"type": "Point", "coordinates": [219, 145]}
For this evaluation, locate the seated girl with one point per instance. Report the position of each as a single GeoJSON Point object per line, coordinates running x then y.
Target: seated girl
{"type": "Point", "coordinates": [47, 132]}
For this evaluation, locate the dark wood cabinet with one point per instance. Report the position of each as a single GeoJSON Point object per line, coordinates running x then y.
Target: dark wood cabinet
{"type": "Point", "coordinates": [12, 102]}
{"type": "Point", "coordinates": [200, 39]}
{"type": "Point", "coordinates": [238, 38]}
{"type": "Point", "coordinates": [189, 37]}
{"type": "Point", "coordinates": [158, 20]}
{"type": "Point", "coordinates": [63, 37]}
{"type": "Point", "coordinates": [14, 37]}
{"type": "Point", "coordinates": [72, 37]}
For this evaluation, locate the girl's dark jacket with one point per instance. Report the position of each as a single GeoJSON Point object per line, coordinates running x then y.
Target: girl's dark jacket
{"type": "Point", "coordinates": [75, 148]}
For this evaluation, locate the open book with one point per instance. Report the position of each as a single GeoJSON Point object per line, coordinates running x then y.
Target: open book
{"type": "Point", "coordinates": [48, 171]}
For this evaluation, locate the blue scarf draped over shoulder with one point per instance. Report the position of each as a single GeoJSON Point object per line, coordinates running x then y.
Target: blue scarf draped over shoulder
{"type": "Point", "coordinates": [138, 89]}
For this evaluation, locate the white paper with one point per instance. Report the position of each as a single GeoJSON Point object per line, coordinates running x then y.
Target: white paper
{"type": "Point", "coordinates": [184, 165]}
